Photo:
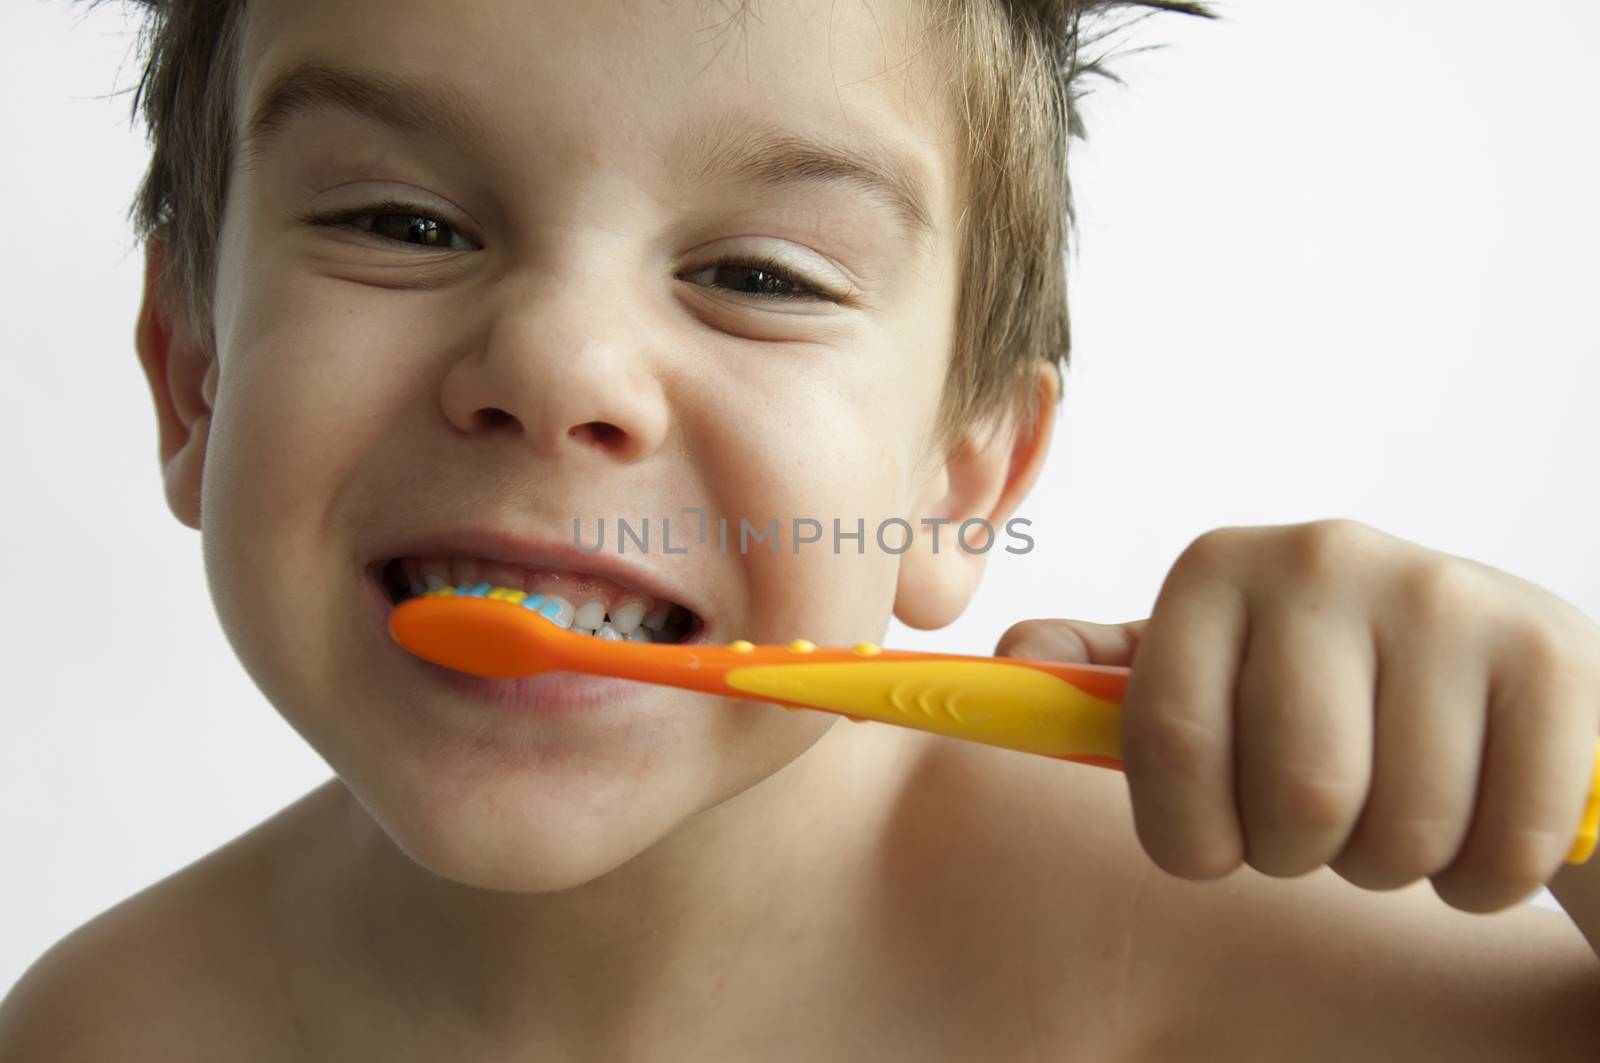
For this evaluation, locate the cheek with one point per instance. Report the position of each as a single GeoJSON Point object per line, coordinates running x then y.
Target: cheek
{"type": "Point", "coordinates": [838, 454]}
{"type": "Point", "coordinates": [294, 404]}
{"type": "Point", "coordinates": [306, 387]}
{"type": "Point", "coordinates": [313, 373]}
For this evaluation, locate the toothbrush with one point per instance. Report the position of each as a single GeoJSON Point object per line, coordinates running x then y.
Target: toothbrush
{"type": "Point", "coordinates": [1067, 711]}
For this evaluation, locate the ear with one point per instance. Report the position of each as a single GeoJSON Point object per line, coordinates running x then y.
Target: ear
{"type": "Point", "coordinates": [986, 475]}
{"type": "Point", "coordinates": [182, 375]}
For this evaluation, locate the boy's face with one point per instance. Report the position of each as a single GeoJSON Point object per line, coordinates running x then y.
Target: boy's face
{"type": "Point", "coordinates": [559, 347]}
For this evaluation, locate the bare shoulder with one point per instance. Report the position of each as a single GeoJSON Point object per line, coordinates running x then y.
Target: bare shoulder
{"type": "Point", "coordinates": [1316, 969]}
{"type": "Point", "coordinates": [173, 973]}
{"type": "Point", "coordinates": [1109, 957]}
{"type": "Point", "coordinates": [1032, 865]}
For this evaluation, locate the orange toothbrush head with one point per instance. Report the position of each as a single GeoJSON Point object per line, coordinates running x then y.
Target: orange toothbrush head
{"type": "Point", "coordinates": [498, 643]}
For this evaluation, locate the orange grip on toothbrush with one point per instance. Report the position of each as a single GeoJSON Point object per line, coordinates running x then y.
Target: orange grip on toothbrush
{"type": "Point", "coordinates": [1067, 711]}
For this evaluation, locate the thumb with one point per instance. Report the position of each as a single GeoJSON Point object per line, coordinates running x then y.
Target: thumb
{"type": "Point", "coordinates": [1072, 641]}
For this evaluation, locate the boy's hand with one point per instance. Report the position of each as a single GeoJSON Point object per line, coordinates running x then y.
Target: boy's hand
{"type": "Point", "coordinates": [1325, 693]}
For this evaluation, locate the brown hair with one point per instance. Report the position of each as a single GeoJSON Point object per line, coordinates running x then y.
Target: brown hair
{"type": "Point", "coordinates": [1018, 70]}
{"type": "Point", "coordinates": [1020, 67]}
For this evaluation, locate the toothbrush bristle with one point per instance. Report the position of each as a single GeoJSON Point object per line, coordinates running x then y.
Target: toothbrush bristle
{"type": "Point", "coordinates": [537, 604]}
{"type": "Point", "coordinates": [540, 605]}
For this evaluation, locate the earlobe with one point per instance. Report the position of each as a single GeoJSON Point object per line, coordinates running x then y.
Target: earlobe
{"type": "Point", "coordinates": [181, 374]}
{"type": "Point", "coordinates": [986, 476]}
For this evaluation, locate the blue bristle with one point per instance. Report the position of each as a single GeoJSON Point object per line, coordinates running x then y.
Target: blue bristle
{"type": "Point", "coordinates": [479, 591]}
{"type": "Point", "coordinates": [533, 602]}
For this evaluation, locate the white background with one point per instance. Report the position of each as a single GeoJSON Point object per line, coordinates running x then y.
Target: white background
{"type": "Point", "coordinates": [1336, 260]}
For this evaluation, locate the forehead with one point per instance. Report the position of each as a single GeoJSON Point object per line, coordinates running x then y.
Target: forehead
{"type": "Point", "coordinates": [780, 91]}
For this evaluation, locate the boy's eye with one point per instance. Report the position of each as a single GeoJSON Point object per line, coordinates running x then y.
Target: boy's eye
{"type": "Point", "coordinates": [400, 223]}
{"type": "Point", "coordinates": [761, 277]}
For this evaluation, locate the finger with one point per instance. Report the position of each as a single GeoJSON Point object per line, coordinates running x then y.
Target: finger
{"type": "Point", "coordinates": [1073, 641]}
{"type": "Point", "coordinates": [1537, 763]}
{"type": "Point", "coordinates": [1429, 719]}
{"type": "Point", "coordinates": [1177, 727]}
{"type": "Point", "coordinates": [1304, 724]}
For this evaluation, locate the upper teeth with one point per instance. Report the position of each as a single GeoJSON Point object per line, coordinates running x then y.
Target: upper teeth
{"type": "Point", "coordinates": [627, 616]}
{"type": "Point", "coordinates": [634, 617]}
{"type": "Point", "coordinates": [590, 614]}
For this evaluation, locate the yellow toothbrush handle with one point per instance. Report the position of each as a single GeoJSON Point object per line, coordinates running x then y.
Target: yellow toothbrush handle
{"type": "Point", "coordinates": [1017, 705]}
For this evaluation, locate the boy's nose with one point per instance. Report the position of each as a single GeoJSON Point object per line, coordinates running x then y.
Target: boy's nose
{"type": "Point", "coordinates": [565, 370]}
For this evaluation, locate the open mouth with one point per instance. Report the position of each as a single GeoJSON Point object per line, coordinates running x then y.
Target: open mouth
{"type": "Point", "coordinates": [580, 602]}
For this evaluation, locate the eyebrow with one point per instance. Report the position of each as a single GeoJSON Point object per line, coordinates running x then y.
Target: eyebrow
{"type": "Point", "coordinates": [729, 148]}
{"type": "Point", "coordinates": [401, 102]}
{"type": "Point", "coordinates": [769, 157]}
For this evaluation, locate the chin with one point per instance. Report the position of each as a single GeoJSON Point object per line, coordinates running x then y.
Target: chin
{"type": "Point", "coordinates": [530, 835]}
{"type": "Point", "coordinates": [538, 817]}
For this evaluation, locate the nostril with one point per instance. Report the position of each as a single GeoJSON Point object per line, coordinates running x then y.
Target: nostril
{"type": "Point", "coordinates": [598, 432]}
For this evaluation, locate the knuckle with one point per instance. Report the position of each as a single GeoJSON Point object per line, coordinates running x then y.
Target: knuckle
{"type": "Point", "coordinates": [1440, 593]}
{"type": "Point", "coordinates": [1172, 742]}
{"type": "Point", "coordinates": [1315, 799]}
{"type": "Point", "coordinates": [1369, 876]}
{"type": "Point", "coordinates": [1018, 634]}
{"type": "Point", "coordinates": [1543, 646]}
{"type": "Point", "coordinates": [1042, 640]}
{"type": "Point", "coordinates": [1208, 863]}
{"type": "Point", "coordinates": [1413, 847]}
{"type": "Point", "coordinates": [1324, 549]}
{"type": "Point", "coordinates": [1526, 856]}
{"type": "Point", "coordinates": [1359, 862]}
{"type": "Point", "coordinates": [1502, 868]}
{"type": "Point", "coordinates": [1208, 551]}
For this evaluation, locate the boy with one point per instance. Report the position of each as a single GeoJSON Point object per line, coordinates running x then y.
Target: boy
{"type": "Point", "coordinates": [414, 302]}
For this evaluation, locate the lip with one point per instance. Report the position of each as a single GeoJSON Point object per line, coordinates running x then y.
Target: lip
{"type": "Point", "coordinates": [551, 693]}
{"type": "Point", "coordinates": [493, 544]}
